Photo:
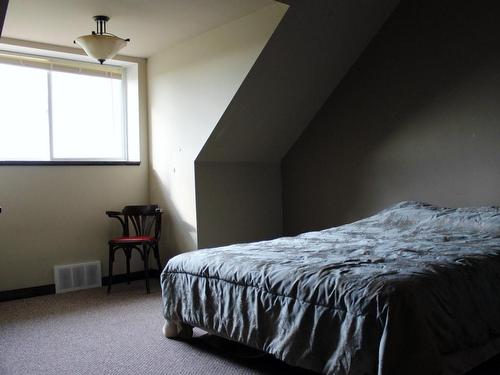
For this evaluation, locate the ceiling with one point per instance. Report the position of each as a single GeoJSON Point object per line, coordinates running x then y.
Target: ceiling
{"type": "Point", "coordinates": [152, 25]}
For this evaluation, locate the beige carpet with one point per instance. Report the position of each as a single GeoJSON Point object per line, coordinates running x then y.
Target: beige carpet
{"type": "Point", "coordinates": [89, 332]}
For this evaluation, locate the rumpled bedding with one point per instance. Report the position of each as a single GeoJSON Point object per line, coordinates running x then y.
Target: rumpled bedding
{"type": "Point", "coordinates": [413, 289]}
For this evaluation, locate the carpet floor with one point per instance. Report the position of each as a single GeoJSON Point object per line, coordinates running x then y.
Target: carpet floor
{"type": "Point", "coordinates": [90, 332]}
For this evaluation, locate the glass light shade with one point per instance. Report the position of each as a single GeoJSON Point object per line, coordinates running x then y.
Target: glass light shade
{"type": "Point", "coordinates": [101, 46]}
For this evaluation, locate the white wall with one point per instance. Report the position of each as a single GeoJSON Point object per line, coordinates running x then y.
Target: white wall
{"type": "Point", "coordinates": [190, 87]}
{"type": "Point", "coordinates": [55, 214]}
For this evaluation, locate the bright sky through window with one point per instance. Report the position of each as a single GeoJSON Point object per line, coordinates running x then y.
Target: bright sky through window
{"type": "Point", "coordinates": [24, 130]}
{"type": "Point", "coordinates": [87, 117]}
{"type": "Point", "coordinates": [52, 115]}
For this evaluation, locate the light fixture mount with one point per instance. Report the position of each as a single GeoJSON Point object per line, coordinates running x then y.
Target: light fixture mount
{"type": "Point", "coordinates": [101, 24]}
{"type": "Point", "coordinates": [101, 45]}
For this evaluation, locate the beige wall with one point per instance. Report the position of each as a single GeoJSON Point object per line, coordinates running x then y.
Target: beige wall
{"type": "Point", "coordinates": [416, 118]}
{"type": "Point", "coordinates": [55, 214]}
{"type": "Point", "coordinates": [190, 86]}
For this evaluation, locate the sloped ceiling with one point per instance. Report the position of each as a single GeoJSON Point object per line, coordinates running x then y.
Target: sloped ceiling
{"type": "Point", "coordinates": [307, 56]}
{"type": "Point", "coordinates": [152, 25]}
{"type": "Point", "coordinates": [3, 11]}
{"type": "Point", "coordinates": [238, 171]}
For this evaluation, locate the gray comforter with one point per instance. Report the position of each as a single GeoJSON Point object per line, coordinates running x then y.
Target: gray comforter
{"type": "Point", "coordinates": [413, 289]}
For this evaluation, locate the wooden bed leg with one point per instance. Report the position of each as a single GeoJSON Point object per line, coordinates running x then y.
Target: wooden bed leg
{"type": "Point", "coordinates": [170, 329]}
{"type": "Point", "coordinates": [173, 329]}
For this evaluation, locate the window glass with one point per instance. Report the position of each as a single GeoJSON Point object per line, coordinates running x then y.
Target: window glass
{"type": "Point", "coordinates": [61, 110]}
{"type": "Point", "coordinates": [87, 117]}
{"type": "Point", "coordinates": [24, 108]}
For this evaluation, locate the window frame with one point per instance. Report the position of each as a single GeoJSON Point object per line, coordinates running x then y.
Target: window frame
{"type": "Point", "coordinates": [125, 141]}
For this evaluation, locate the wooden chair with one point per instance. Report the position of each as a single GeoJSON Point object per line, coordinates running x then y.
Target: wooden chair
{"type": "Point", "coordinates": [146, 221]}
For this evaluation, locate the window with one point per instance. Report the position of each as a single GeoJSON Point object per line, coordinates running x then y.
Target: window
{"type": "Point", "coordinates": [61, 110]}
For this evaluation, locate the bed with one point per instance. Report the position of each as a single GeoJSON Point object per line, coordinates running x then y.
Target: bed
{"type": "Point", "coordinates": [413, 289]}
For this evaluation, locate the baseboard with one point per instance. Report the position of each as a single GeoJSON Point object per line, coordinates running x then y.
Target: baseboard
{"type": "Point", "coordinates": [34, 291]}
{"type": "Point", "coordinates": [43, 290]}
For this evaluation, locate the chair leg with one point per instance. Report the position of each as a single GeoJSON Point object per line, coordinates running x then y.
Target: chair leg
{"type": "Point", "coordinates": [110, 271]}
{"type": "Point", "coordinates": [157, 256]}
{"type": "Point", "coordinates": [145, 249]}
{"type": "Point", "coordinates": [128, 254]}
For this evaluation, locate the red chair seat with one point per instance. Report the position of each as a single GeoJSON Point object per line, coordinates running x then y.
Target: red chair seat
{"type": "Point", "coordinates": [132, 239]}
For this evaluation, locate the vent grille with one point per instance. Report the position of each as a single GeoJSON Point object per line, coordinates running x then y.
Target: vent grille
{"type": "Point", "coordinates": [78, 276]}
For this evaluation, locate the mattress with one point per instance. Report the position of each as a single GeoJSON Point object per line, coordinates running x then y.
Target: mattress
{"type": "Point", "coordinates": [410, 290]}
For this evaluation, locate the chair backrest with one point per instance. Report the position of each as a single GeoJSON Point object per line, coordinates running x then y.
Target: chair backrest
{"type": "Point", "coordinates": [146, 220]}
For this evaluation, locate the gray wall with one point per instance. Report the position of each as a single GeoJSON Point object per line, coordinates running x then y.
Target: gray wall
{"type": "Point", "coordinates": [416, 118]}
{"type": "Point", "coordinates": [247, 205]}
{"type": "Point", "coordinates": [311, 50]}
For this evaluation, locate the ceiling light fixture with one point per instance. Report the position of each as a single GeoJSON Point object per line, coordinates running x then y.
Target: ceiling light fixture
{"type": "Point", "coordinates": [101, 45]}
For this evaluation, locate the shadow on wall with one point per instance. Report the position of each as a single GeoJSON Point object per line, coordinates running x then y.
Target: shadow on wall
{"type": "Point", "coordinates": [416, 118]}
{"type": "Point", "coordinates": [237, 202]}
{"type": "Point", "coordinates": [178, 235]}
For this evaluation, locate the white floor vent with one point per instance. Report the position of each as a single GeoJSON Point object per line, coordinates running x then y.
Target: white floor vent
{"type": "Point", "coordinates": [71, 277]}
